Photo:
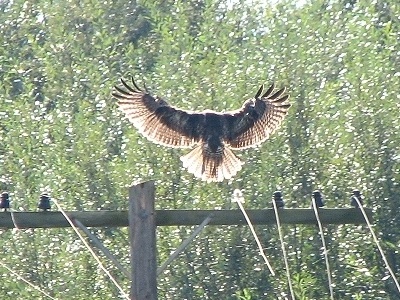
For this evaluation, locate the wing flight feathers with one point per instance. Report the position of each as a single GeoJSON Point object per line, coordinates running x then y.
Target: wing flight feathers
{"type": "Point", "coordinates": [214, 134]}
{"type": "Point", "coordinates": [269, 91]}
{"type": "Point", "coordinates": [277, 94]}
{"type": "Point", "coordinates": [154, 117]}
{"type": "Point", "coordinates": [258, 119]}
{"type": "Point", "coordinates": [260, 90]}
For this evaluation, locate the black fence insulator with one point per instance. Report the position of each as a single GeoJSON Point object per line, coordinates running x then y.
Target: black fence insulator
{"type": "Point", "coordinates": [356, 194]}
{"type": "Point", "coordinates": [319, 201]}
{"type": "Point", "coordinates": [278, 198]}
{"type": "Point", "coordinates": [44, 202]}
{"type": "Point", "coordinates": [5, 200]}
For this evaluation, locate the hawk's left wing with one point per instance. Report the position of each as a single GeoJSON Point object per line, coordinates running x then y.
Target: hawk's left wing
{"type": "Point", "coordinates": [258, 118]}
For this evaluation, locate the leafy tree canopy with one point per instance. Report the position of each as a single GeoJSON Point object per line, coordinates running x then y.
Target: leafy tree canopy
{"type": "Point", "coordinates": [60, 132]}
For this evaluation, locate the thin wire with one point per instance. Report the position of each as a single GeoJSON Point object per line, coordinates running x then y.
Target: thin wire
{"type": "Point", "coordinates": [102, 248]}
{"type": "Point", "coordinates": [13, 219]}
{"type": "Point", "coordinates": [328, 269]}
{"type": "Point", "coordinates": [184, 244]}
{"type": "Point", "coordinates": [278, 223]}
{"type": "Point", "coordinates": [91, 250]}
{"type": "Point", "coordinates": [238, 197]}
{"type": "Point", "coordinates": [25, 280]}
{"type": "Point", "coordinates": [15, 273]}
{"type": "Point", "coordinates": [377, 243]}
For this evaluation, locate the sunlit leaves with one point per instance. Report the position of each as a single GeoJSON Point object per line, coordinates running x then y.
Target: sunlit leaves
{"type": "Point", "coordinates": [60, 132]}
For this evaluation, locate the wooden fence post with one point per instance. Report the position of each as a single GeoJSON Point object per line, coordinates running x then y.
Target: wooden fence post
{"type": "Point", "coordinates": [142, 232]}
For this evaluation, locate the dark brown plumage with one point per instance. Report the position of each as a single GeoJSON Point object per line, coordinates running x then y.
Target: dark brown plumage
{"type": "Point", "coordinates": [213, 134]}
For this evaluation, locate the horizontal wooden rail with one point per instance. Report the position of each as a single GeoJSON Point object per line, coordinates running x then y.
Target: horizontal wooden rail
{"type": "Point", "coordinates": [105, 218]}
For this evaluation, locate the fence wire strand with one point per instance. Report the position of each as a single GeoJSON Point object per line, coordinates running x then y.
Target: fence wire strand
{"type": "Point", "coordinates": [325, 250]}
{"type": "Point", "coordinates": [278, 224]}
{"type": "Point", "coordinates": [75, 228]}
{"type": "Point", "coordinates": [26, 280]}
{"type": "Point", "coordinates": [14, 272]}
{"type": "Point", "coordinates": [374, 237]}
{"type": "Point", "coordinates": [238, 197]}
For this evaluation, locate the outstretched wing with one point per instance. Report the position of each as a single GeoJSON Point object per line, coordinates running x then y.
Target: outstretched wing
{"type": "Point", "coordinates": [156, 119]}
{"type": "Point", "coordinates": [258, 118]}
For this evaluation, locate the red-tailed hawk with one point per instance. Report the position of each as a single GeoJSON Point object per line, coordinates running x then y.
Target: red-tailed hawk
{"type": "Point", "coordinates": [212, 134]}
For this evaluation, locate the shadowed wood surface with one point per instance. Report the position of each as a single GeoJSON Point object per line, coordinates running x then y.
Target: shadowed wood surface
{"type": "Point", "coordinates": [142, 238]}
{"type": "Point", "coordinates": [104, 218]}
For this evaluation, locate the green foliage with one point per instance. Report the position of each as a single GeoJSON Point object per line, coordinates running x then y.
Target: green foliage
{"type": "Point", "coordinates": [60, 132]}
{"type": "Point", "coordinates": [244, 295]}
{"type": "Point", "coordinates": [301, 285]}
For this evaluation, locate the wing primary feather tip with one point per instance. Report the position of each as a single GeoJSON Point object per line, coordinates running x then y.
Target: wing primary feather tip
{"type": "Point", "coordinates": [281, 100]}
{"type": "Point", "coordinates": [269, 91]}
{"type": "Point", "coordinates": [260, 90]}
{"type": "Point", "coordinates": [135, 85]}
{"type": "Point", "coordinates": [120, 91]}
{"type": "Point", "coordinates": [126, 85]}
{"type": "Point", "coordinates": [278, 93]}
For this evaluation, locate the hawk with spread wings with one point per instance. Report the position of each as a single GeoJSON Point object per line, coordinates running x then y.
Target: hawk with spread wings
{"type": "Point", "coordinates": [212, 134]}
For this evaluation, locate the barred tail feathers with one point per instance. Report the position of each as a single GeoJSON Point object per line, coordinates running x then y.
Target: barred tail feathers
{"type": "Point", "coordinates": [212, 166]}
